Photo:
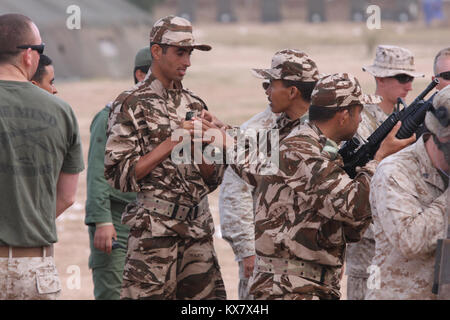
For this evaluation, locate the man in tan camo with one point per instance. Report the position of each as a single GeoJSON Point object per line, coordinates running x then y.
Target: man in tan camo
{"type": "Point", "coordinates": [170, 247]}
{"type": "Point", "coordinates": [394, 72]}
{"type": "Point", "coordinates": [410, 205]}
{"type": "Point", "coordinates": [307, 212]}
{"type": "Point", "coordinates": [236, 208]}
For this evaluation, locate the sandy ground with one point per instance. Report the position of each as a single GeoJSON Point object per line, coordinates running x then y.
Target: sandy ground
{"type": "Point", "coordinates": [222, 78]}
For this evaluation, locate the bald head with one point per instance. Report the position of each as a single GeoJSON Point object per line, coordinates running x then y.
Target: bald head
{"type": "Point", "coordinates": [16, 30]}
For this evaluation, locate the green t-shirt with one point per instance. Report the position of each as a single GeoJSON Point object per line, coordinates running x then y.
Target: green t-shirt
{"type": "Point", "coordinates": [39, 138]}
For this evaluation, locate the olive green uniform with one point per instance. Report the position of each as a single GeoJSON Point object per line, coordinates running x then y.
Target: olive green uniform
{"type": "Point", "coordinates": [104, 204]}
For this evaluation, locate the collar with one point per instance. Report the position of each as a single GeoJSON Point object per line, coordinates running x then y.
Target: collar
{"type": "Point", "coordinates": [329, 146]}
{"type": "Point", "coordinates": [427, 170]}
{"type": "Point", "coordinates": [156, 86]}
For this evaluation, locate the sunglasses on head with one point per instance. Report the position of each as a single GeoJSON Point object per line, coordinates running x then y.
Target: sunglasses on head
{"type": "Point", "coordinates": [403, 78]}
{"type": "Point", "coordinates": [37, 47]}
{"type": "Point", "coordinates": [444, 75]}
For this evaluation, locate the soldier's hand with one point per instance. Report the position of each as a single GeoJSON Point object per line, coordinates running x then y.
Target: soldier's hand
{"type": "Point", "coordinates": [212, 134]}
{"type": "Point", "coordinates": [391, 144]}
{"type": "Point", "coordinates": [211, 118]}
{"type": "Point", "coordinates": [249, 265]}
{"type": "Point", "coordinates": [103, 238]}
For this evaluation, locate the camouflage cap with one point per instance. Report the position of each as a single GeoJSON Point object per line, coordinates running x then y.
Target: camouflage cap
{"type": "Point", "coordinates": [290, 64]}
{"type": "Point", "coordinates": [441, 102]}
{"type": "Point", "coordinates": [391, 61]}
{"type": "Point", "coordinates": [340, 90]}
{"type": "Point", "coordinates": [143, 58]}
{"type": "Point", "coordinates": [175, 31]}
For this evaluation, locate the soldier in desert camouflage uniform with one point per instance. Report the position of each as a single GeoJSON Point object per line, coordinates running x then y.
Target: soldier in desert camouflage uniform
{"type": "Point", "coordinates": [170, 247]}
{"type": "Point", "coordinates": [291, 68]}
{"type": "Point", "coordinates": [394, 72]}
{"type": "Point", "coordinates": [236, 209]}
{"type": "Point", "coordinates": [410, 202]}
{"type": "Point", "coordinates": [309, 210]}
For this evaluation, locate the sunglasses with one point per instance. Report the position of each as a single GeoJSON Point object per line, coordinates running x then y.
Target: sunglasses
{"type": "Point", "coordinates": [444, 75]}
{"type": "Point", "coordinates": [403, 78]}
{"type": "Point", "coordinates": [37, 47]}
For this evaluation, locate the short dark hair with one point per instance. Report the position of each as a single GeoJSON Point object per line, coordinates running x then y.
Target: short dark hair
{"type": "Point", "coordinates": [15, 30]}
{"type": "Point", "coordinates": [44, 61]}
{"type": "Point", "coordinates": [144, 69]}
{"type": "Point", "coordinates": [319, 113]}
{"type": "Point", "coordinates": [305, 88]}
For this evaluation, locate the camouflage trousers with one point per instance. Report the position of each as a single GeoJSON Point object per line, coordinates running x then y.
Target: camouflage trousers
{"type": "Point", "coordinates": [243, 289]}
{"type": "Point", "coordinates": [172, 268]}
{"type": "Point", "coordinates": [269, 286]}
{"type": "Point", "coordinates": [29, 279]}
{"type": "Point", "coordinates": [356, 288]}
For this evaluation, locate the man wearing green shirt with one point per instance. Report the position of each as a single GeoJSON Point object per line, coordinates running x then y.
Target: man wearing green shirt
{"type": "Point", "coordinates": [40, 162]}
{"type": "Point", "coordinates": [104, 205]}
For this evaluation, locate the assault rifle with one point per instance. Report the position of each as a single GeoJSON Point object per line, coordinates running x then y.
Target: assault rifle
{"type": "Point", "coordinates": [356, 155]}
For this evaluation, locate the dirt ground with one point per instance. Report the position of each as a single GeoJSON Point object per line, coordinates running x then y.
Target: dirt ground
{"type": "Point", "coordinates": [222, 78]}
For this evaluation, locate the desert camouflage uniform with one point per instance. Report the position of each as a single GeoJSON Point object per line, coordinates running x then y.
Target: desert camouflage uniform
{"type": "Point", "coordinates": [408, 206]}
{"type": "Point", "coordinates": [236, 207]}
{"type": "Point", "coordinates": [168, 257]}
{"type": "Point", "coordinates": [143, 118]}
{"type": "Point", "coordinates": [389, 61]}
{"type": "Point", "coordinates": [29, 279]}
{"type": "Point", "coordinates": [359, 255]}
{"type": "Point", "coordinates": [307, 212]}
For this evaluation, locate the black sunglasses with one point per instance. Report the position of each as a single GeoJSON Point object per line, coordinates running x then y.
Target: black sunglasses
{"type": "Point", "coordinates": [37, 47]}
{"type": "Point", "coordinates": [444, 75]}
{"type": "Point", "coordinates": [403, 78]}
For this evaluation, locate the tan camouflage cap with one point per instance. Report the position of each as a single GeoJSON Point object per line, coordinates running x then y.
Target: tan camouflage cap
{"type": "Point", "coordinates": [442, 99]}
{"type": "Point", "coordinates": [175, 31]}
{"type": "Point", "coordinates": [391, 61]}
{"type": "Point", "coordinates": [340, 90]}
{"type": "Point", "coordinates": [290, 64]}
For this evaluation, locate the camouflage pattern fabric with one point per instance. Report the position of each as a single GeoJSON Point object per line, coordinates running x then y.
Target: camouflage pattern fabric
{"type": "Point", "coordinates": [236, 207]}
{"type": "Point", "coordinates": [166, 268]}
{"type": "Point", "coordinates": [392, 60]}
{"type": "Point", "coordinates": [175, 31]}
{"type": "Point", "coordinates": [440, 101]}
{"type": "Point", "coordinates": [140, 120]}
{"type": "Point", "coordinates": [340, 90]}
{"type": "Point", "coordinates": [290, 64]}
{"type": "Point", "coordinates": [359, 255]}
{"type": "Point", "coordinates": [308, 211]}
{"type": "Point", "coordinates": [29, 279]}
{"type": "Point", "coordinates": [409, 203]}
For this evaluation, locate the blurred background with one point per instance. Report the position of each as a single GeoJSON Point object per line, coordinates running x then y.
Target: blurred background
{"type": "Point", "coordinates": [94, 64]}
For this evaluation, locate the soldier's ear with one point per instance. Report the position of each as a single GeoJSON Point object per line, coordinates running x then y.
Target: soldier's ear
{"type": "Point", "coordinates": [344, 115]}
{"type": "Point", "coordinates": [294, 93]}
{"type": "Point", "coordinates": [156, 51]}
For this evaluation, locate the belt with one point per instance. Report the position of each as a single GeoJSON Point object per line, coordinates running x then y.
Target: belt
{"type": "Point", "coordinates": [305, 269]}
{"type": "Point", "coordinates": [18, 252]}
{"type": "Point", "coordinates": [171, 209]}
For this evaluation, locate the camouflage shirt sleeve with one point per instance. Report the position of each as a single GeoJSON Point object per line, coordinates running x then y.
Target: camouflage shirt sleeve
{"type": "Point", "coordinates": [410, 226]}
{"type": "Point", "coordinates": [236, 215]}
{"type": "Point", "coordinates": [324, 185]}
{"type": "Point", "coordinates": [122, 148]}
